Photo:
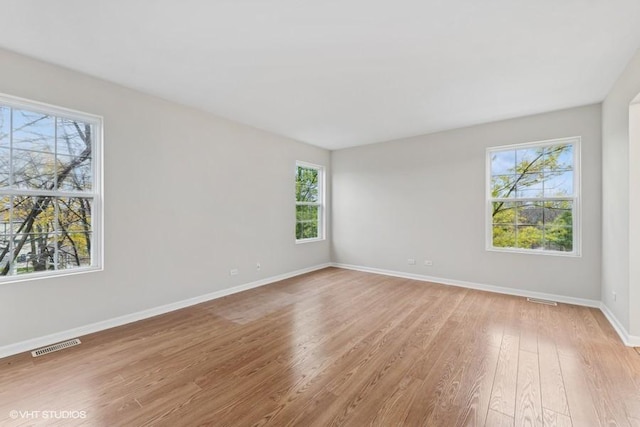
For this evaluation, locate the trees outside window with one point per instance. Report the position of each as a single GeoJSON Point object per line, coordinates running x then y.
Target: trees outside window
{"type": "Point", "coordinates": [309, 202]}
{"type": "Point", "coordinates": [533, 197]}
{"type": "Point", "coordinates": [49, 189]}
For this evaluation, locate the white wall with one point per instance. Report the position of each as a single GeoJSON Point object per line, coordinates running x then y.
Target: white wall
{"type": "Point", "coordinates": [634, 217]}
{"type": "Point", "coordinates": [188, 196]}
{"type": "Point", "coordinates": [424, 198]}
{"type": "Point", "coordinates": [620, 193]}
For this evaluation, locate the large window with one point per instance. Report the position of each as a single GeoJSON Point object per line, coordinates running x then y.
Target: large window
{"type": "Point", "coordinates": [533, 197]}
{"type": "Point", "coordinates": [309, 202]}
{"type": "Point", "coordinates": [50, 207]}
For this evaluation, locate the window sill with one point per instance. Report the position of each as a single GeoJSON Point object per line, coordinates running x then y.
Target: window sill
{"type": "Point", "coordinates": [534, 252]}
{"type": "Point", "coordinates": [48, 275]}
{"type": "Point", "coordinates": [302, 241]}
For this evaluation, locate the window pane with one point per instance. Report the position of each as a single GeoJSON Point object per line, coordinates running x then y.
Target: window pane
{"type": "Point", "coordinates": [5, 129]}
{"type": "Point", "coordinates": [530, 213]}
{"type": "Point", "coordinates": [307, 184]}
{"type": "Point", "coordinates": [75, 173]}
{"type": "Point", "coordinates": [5, 126]}
{"type": "Point", "coordinates": [503, 186]}
{"type": "Point", "coordinates": [35, 252]}
{"type": "Point", "coordinates": [33, 131]}
{"type": "Point", "coordinates": [307, 222]}
{"type": "Point", "coordinates": [530, 185]}
{"type": "Point", "coordinates": [5, 167]}
{"type": "Point", "coordinates": [33, 170]}
{"type": "Point", "coordinates": [74, 155]}
{"type": "Point", "coordinates": [74, 222]}
{"type": "Point", "coordinates": [4, 253]}
{"type": "Point", "coordinates": [504, 236]}
{"type": "Point", "coordinates": [33, 214]}
{"type": "Point", "coordinates": [74, 250]}
{"type": "Point", "coordinates": [306, 213]}
{"type": "Point", "coordinates": [74, 214]}
{"type": "Point", "coordinates": [74, 137]}
{"type": "Point", "coordinates": [306, 231]}
{"type": "Point", "coordinates": [503, 162]}
{"type": "Point", "coordinates": [529, 160]}
{"type": "Point", "coordinates": [558, 184]}
{"type": "Point", "coordinates": [559, 157]}
{"type": "Point", "coordinates": [529, 237]}
{"type": "Point", "coordinates": [559, 225]}
{"type": "Point", "coordinates": [5, 211]}
{"type": "Point", "coordinates": [504, 213]}
{"type": "Point", "coordinates": [560, 210]}
{"type": "Point", "coordinates": [559, 238]}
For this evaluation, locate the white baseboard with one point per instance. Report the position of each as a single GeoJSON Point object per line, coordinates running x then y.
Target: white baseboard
{"type": "Point", "coordinates": [628, 340]}
{"type": "Point", "coordinates": [31, 344]}
{"type": "Point", "coordinates": [473, 285]}
{"type": "Point", "coordinates": [28, 345]}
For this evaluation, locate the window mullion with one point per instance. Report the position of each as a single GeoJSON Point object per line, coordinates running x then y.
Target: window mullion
{"type": "Point", "coordinates": [11, 236]}
{"type": "Point", "coordinates": [11, 179]}
{"type": "Point", "coordinates": [11, 184]}
{"type": "Point", "coordinates": [56, 232]}
{"type": "Point", "coordinates": [36, 193]}
{"type": "Point", "coordinates": [55, 155]}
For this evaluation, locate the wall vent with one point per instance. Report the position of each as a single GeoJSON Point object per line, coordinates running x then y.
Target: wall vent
{"type": "Point", "coordinates": [55, 347]}
{"type": "Point", "coordinates": [542, 301]}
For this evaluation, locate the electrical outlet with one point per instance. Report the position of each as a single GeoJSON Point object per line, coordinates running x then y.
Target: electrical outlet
{"type": "Point", "coordinates": [428, 262]}
{"type": "Point", "coordinates": [411, 261]}
{"type": "Point", "coordinates": [233, 272]}
{"type": "Point", "coordinates": [615, 296]}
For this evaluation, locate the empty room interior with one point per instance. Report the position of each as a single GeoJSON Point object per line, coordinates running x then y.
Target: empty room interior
{"type": "Point", "coordinates": [320, 213]}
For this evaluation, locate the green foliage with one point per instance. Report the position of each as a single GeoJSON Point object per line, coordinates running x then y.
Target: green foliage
{"type": "Point", "coordinates": [542, 225]}
{"type": "Point", "coordinates": [307, 210]}
{"type": "Point", "coordinates": [306, 184]}
{"type": "Point", "coordinates": [306, 222]}
{"type": "Point", "coordinates": [560, 233]}
{"type": "Point", "coordinates": [553, 230]}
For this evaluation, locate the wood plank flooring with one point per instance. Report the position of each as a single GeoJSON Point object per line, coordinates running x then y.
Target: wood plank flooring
{"type": "Point", "coordinates": [338, 347]}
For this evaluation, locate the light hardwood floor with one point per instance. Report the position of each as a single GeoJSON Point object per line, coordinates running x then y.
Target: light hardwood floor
{"type": "Point", "coordinates": [339, 347]}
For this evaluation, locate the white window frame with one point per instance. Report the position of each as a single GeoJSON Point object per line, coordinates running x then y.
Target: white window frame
{"type": "Point", "coordinates": [577, 199]}
{"type": "Point", "coordinates": [320, 203]}
{"type": "Point", "coordinates": [97, 209]}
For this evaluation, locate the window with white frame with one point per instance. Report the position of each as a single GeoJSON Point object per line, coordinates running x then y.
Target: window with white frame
{"type": "Point", "coordinates": [50, 190]}
{"type": "Point", "coordinates": [533, 201]}
{"type": "Point", "coordinates": [309, 202]}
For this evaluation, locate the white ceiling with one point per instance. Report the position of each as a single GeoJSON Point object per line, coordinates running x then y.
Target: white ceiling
{"type": "Point", "coordinates": [339, 73]}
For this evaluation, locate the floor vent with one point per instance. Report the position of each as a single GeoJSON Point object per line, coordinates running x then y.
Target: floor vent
{"type": "Point", "coordinates": [55, 347]}
{"type": "Point", "coordinates": [542, 301]}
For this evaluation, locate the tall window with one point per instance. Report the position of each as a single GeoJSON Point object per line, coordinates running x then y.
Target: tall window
{"type": "Point", "coordinates": [309, 202]}
{"type": "Point", "coordinates": [49, 190]}
{"type": "Point", "coordinates": [533, 197]}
